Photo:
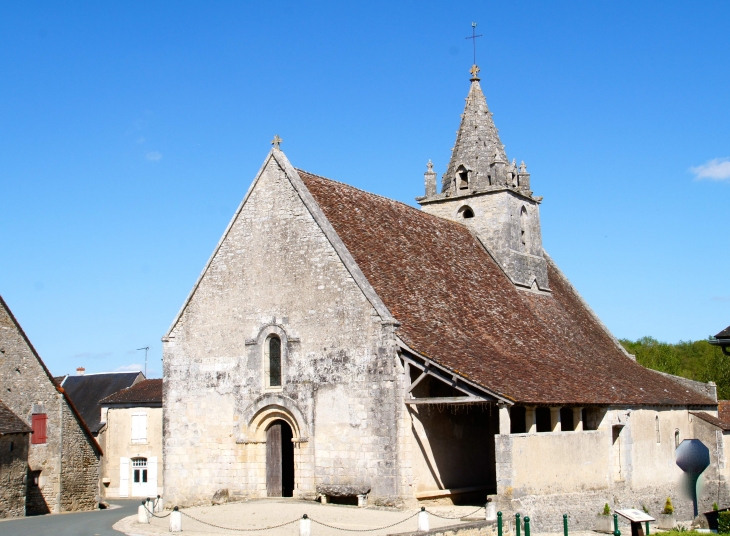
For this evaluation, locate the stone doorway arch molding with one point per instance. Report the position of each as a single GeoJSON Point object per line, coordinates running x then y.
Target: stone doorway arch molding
{"type": "Point", "coordinates": [251, 433]}
{"type": "Point", "coordinates": [264, 410]}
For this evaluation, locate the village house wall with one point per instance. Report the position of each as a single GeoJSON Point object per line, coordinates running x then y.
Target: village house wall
{"type": "Point", "coordinates": [13, 471]}
{"type": "Point", "coordinates": [64, 471]}
{"type": "Point", "coordinates": [547, 474]}
{"type": "Point", "coordinates": [117, 443]}
{"type": "Point", "coordinates": [275, 272]}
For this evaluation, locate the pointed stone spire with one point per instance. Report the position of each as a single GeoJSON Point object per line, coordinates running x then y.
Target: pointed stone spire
{"type": "Point", "coordinates": [477, 144]}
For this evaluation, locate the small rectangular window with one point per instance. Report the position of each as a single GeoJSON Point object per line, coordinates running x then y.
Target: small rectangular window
{"type": "Point", "coordinates": [139, 427]}
{"type": "Point", "coordinates": [38, 424]}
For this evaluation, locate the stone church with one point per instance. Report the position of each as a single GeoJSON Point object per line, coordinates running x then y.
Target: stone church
{"type": "Point", "coordinates": [339, 344]}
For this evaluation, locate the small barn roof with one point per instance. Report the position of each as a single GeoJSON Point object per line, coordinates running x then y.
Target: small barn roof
{"type": "Point", "coordinates": [456, 307]}
{"type": "Point", "coordinates": [144, 392]}
{"type": "Point", "coordinates": [10, 423]}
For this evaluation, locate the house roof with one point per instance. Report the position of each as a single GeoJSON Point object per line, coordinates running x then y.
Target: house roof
{"type": "Point", "coordinates": [457, 307]}
{"type": "Point", "coordinates": [144, 392]}
{"type": "Point", "coordinates": [724, 334]}
{"type": "Point", "coordinates": [723, 410]}
{"type": "Point", "coordinates": [716, 421]}
{"type": "Point", "coordinates": [10, 423]}
{"type": "Point", "coordinates": [87, 391]}
{"type": "Point", "coordinates": [68, 400]}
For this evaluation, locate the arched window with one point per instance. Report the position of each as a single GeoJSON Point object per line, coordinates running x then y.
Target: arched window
{"type": "Point", "coordinates": [272, 362]}
{"type": "Point", "coordinates": [466, 212]}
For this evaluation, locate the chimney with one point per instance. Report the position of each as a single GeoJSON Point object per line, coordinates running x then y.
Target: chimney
{"type": "Point", "coordinates": [80, 371]}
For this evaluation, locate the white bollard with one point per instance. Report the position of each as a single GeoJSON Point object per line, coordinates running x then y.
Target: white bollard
{"type": "Point", "coordinates": [150, 504]}
{"type": "Point", "coordinates": [175, 520]}
{"type": "Point", "coordinates": [491, 511]}
{"type": "Point", "coordinates": [305, 526]}
{"type": "Point", "coordinates": [323, 499]}
{"type": "Point", "coordinates": [160, 506]}
{"type": "Point", "coordinates": [362, 501]}
{"type": "Point", "coordinates": [423, 520]}
{"type": "Point", "coordinates": [142, 516]}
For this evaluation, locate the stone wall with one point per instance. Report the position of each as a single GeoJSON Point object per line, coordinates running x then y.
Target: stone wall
{"type": "Point", "coordinates": [628, 462]}
{"type": "Point", "coordinates": [276, 272]}
{"type": "Point", "coordinates": [29, 391]}
{"type": "Point", "coordinates": [499, 223]}
{"type": "Point", "coordinates": [13, 470]}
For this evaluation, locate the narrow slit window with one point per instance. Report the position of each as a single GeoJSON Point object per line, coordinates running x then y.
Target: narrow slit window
{"type": "Point", "coordinates": [273, 376]}
{"type": "Point", "coordinates": [656, 426]}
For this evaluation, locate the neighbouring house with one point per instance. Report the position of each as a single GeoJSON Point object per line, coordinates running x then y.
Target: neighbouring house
{"type": "Point", "coordinates": [14, 443]}
{"type": "Point", "coordinates": [339, 343]}
{"type": "Point", "coordinates": [722, 340]}
{"type": "Point", "coordinates": [133, 441]}
{"type": "Point", "coordinates": [64, 456]}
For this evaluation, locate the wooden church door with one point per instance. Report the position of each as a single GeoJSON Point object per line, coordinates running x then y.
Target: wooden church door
{"type": "Point", "coordinates": [279, 460]}
{"type": "Point", "coordinates": [273, 460]}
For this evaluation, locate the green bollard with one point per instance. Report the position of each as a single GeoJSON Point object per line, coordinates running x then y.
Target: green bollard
{"type": "Point", "coordinates": [565, 524]}
{"type": "Point", "coordinates": [647, 529]}
{"type": "Point", "coordinates": [517, 524]}
{"type": "Point", "coordinates": [616, 532]}
{"type": "Point", "coordinates": [499, 523]}
{"type": "Point", "coordinates": [527, 526]}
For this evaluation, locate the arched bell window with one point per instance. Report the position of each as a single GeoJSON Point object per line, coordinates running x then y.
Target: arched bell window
{"type": "Point", "coordinates": [272, 361]}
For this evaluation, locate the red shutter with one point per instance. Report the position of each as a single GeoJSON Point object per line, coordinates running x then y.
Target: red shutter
{"type": "Point", "coordinates": [39, 428]}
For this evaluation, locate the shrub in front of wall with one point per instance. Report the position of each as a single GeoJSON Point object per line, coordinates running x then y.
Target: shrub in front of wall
{"type": "Point", "coordinates": [668, 508]}
{"type": "Point", "coordinates": [723, 523]}
{"type": "Point", "coordinates": [606, 510]}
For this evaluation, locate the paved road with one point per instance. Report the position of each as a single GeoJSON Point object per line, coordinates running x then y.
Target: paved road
{"type": "Point", "coordinates": [79, 524]}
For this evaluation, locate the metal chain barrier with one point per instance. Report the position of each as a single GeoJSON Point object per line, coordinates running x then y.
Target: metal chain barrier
{"type": "Point", "coordinates": [364, 530]}
{"type": "Point", "coordinates": [457, 517]}
{"type": "Point", "coordinates": [239, 530]}
{"type": "Point", "coordinates": [155, 515]}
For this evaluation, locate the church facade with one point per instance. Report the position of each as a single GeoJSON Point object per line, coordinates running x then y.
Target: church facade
{"type": "Point", "coordinates": [341, 345]}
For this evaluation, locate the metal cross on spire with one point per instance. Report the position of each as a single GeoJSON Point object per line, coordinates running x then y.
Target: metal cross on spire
{"type": "Point", "coordinates": [474, 39]}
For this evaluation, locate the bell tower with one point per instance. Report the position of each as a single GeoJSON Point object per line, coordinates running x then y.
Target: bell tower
{"type": "Point", "coordinates": [484, 191]}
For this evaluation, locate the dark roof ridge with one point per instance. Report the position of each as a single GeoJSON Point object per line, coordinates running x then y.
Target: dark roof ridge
{"type": "Point", "coordinates": [61, 390]}
{"type": "Point", "coordinates": [393, 201]}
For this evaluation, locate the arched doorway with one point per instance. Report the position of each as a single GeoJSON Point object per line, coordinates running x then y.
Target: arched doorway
{"type": "Point", "coordinates": [279, 460]}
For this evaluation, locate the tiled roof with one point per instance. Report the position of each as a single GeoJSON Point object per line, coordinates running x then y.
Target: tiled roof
{"type": "Point", "coordinates": [724, 334]}
{"type": "Point", "coordinates": [719, 422]}
{"type": "Point", "coordinates": [87, 391]}
{"type": "Point", "coordinates": [146, 391]}
{"type": "Point", "coordinates": [457, 307]}
{"type": "Point", "coordinates": [10, 423]}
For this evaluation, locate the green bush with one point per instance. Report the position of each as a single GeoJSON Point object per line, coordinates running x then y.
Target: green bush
{"type": "Point", "coordinates": [715, 507]}
{"type": "Point", "coordinates": [723, 522]}
{"type": "Point", "coordinates": [668, 508]}
{"type": "Point", "coordinates": [606, 510]}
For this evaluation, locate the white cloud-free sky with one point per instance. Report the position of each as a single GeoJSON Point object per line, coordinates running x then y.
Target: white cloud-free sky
{"type": "Point", "coordinates": [131, 131]}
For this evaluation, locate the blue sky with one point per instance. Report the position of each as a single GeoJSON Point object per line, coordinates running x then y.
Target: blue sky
{"type": "Point", "coordinates": [131, 131]}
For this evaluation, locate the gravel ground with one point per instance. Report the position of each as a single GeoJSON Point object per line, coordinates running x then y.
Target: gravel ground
{"type": "Point", "coordinates": [268, 512]}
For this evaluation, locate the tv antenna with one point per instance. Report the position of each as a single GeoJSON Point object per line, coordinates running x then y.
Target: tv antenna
{"type": "Point", "coordinates": [146, 349]}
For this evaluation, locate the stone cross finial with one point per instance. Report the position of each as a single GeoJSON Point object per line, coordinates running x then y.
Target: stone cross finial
{"type": "Point", "coordinates": [523, 167]}
{"type": "Point", "coordinates": [430, 166]}
{"type": "Point", "coordinates": [276, 142]}
{"type": "Point", "coordinates": [474, 72]}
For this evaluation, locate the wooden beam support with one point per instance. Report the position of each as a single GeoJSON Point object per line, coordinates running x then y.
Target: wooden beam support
{"type": "Point", "coordinates": [447, 400]}
{"type": "Point", "coordinates": [419, 379]}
